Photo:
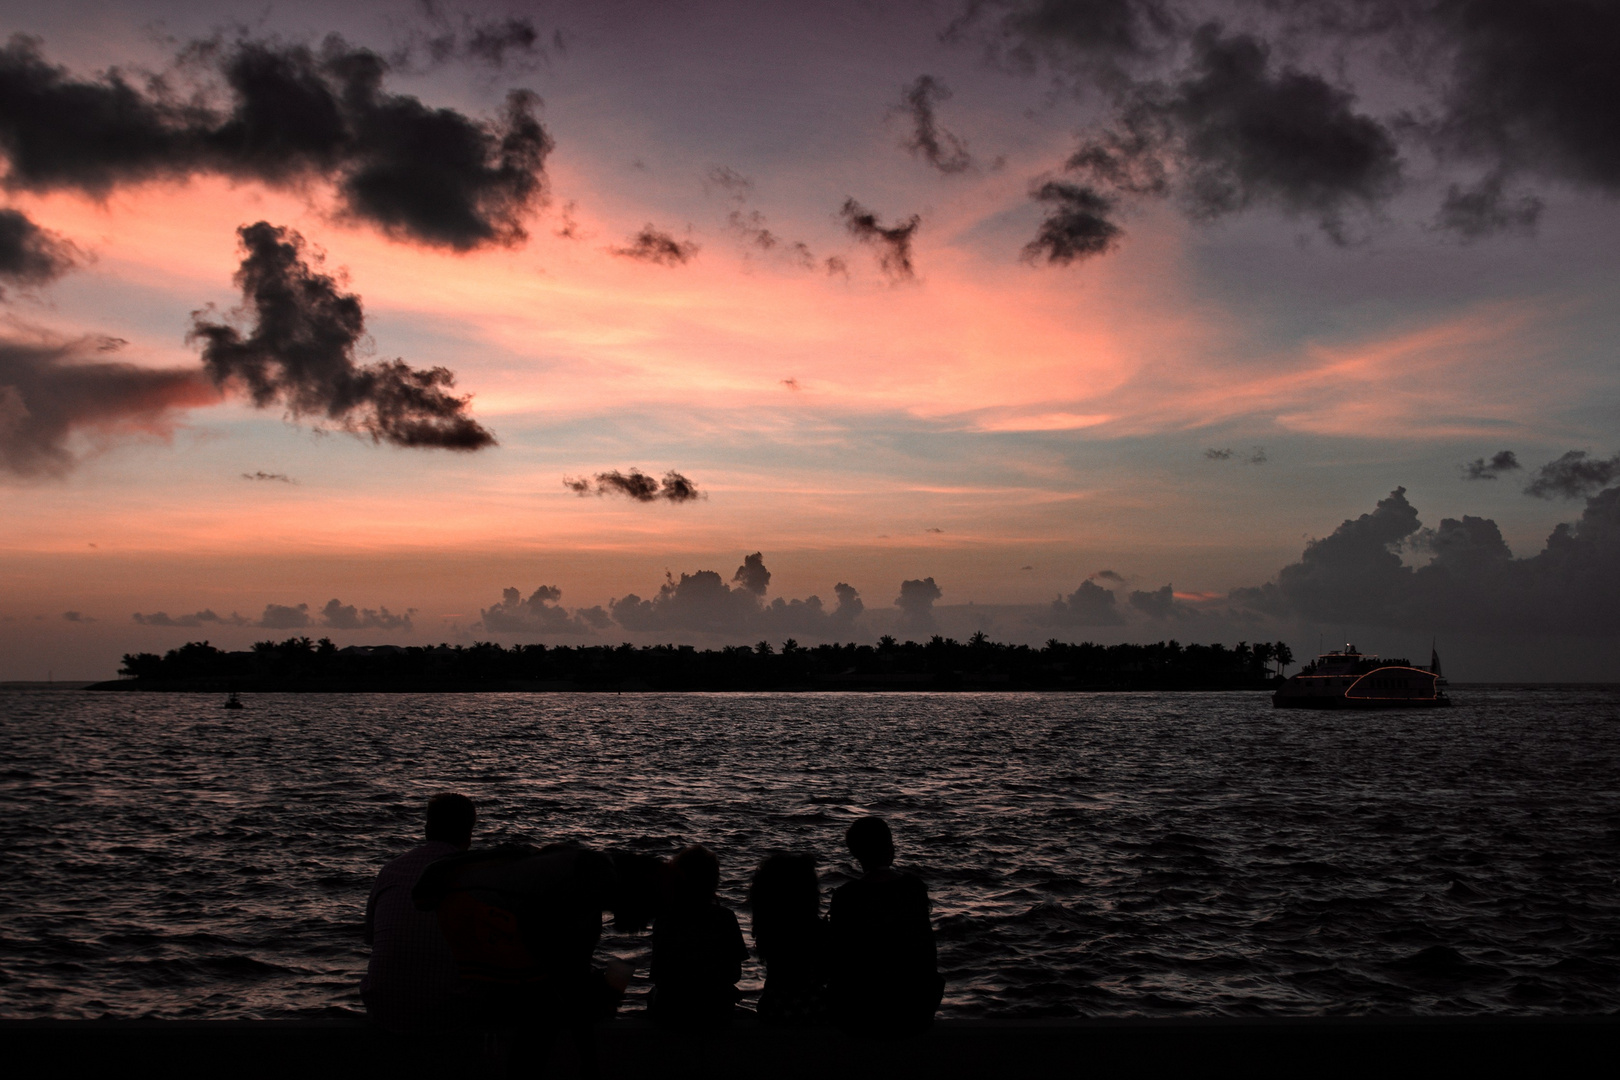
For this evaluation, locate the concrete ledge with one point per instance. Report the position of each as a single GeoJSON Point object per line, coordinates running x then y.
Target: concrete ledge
{"type": "Point", "coordinates": [1362, 1047]}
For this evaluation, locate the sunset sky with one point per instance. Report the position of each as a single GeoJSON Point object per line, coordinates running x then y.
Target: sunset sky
{"type": "Point", "coordinates": [1010, 296]}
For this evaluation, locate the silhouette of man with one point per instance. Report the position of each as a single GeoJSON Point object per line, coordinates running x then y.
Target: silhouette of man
{"type": "Point", "coordinates": [412, 981]}
{"type": "Point", "coordinates": [885, 978]}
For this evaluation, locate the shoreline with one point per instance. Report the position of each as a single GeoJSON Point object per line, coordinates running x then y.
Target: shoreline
{"type": "Point", "coordinates": [629, 1046]}
{"type": "Point", "coordinates": [122, 686]}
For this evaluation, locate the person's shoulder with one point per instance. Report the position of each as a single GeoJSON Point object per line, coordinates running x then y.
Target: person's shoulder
{"type": "Point", "coordinates": [851, 888]}
{"type": "Point", "coordinates": [419, 856]}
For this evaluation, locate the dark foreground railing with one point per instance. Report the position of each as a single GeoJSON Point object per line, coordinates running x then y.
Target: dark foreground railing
{"type": "Point", "coordinates": [299, 1050]}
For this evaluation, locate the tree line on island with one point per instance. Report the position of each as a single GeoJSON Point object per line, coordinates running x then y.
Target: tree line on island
{"type": "Point", "coordinates": [301, 664]}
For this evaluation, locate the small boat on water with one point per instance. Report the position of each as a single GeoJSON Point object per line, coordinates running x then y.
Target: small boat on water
{"type": "Point", "coordinates": [1347, 679]}
{"type": "Point", "coordinates": [233, 702]}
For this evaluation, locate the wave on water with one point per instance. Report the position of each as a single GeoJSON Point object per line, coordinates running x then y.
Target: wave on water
{"type": "Point", "coordinates": [1087, 855]}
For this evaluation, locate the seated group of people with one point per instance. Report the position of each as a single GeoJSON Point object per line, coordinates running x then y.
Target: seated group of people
{"type": "Point", "coordinates": [505, 936]}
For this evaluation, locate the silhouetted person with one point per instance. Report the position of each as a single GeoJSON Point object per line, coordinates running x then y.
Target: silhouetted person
{"type": "Point", "coordinates": [698, 947]}
{"type": "Point", "coordinates": [792, 939]}
{"type": "Point", "coordinates": [523, 924]}
{"type": "Point", "coordinates": [412, 982]}
{"type": "Point", "coordinates": [885, 977]}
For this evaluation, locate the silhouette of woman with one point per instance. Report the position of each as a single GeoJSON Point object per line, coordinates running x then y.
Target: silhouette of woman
{"type": "Point", "coordinates": [698, 948]}
{"type": "Point", "coordinates": [885, 978]}
{"type": "Point", "coordinates": [791, 938]}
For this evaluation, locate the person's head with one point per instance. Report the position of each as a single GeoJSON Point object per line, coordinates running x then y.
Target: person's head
{"type": "Point", "coordinates": [450, 819]}
{"type": "Point", "coordinates": [784, 892]}
{"type": "Point", "coordinates": [697, 874]}
{"type": "Point", "coordinates": [871, 843]}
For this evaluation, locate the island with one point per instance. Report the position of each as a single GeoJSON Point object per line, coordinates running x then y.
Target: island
{"type": "Point", "coordinates": [940, 664]}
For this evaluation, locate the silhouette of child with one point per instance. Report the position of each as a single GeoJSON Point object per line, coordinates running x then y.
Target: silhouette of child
{"type": "Point", "coordinates": [791, 938]}
{"type": "Point", "coordinates": [885, 978]}
{"type": "Point", "coordinates": [698, 947]}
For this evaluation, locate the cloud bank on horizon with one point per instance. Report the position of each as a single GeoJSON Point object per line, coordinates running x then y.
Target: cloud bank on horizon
{"type": "Point", "coordinates": [1357, 576]}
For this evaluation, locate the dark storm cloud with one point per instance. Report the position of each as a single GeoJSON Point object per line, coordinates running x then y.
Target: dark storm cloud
{"type": "Point", "coordinates": [916, 604]}
{"type": "Point", "coordinates": [1214, 454]}
{"type": "Point", "coordinates": [1158, 604]}
{"type": "Point", "coordinates": [1503, 461]}
{"type": "Point", "coordinates": [704, 603]}
{"type": "Point", "coordinates": [206, 617]}
{"type": "Point", "coordinates": [50, 390]}
{"type": "Point", "coordinates": [1109, 575]}
{"type": "Point", "coordinates": [893, 243]}
{"type": "Point", "coordinates": [539, 614]}
{"type": "Point", "coordinates": [30, 255]}
{"type": "Point", "coordinates": [291, 114]}
{"type": "Point", "coordinates": [77, 617]}
{"type": "Point", "coordinates": [341, 616]}
{"type": "Point", "coordinates": [1510, 93]}
{"type": "Point", "coordinates": [677, 488]}
{"type": "Point", "coordinates": [300, 354]}
{"type": "Point", "coordinates": [636, 485]}
{"type": "Point", "coordinates": [280, 478]}
{"type": "Point", "coordinates": [282, 617]}
{"type": "Point", "coordinates": [1076, 224]}
{"type": "Point", "coordinates": [752, 575]}
{"type": "Point", "coordinates": [1573, 475]}
{"type": "Point", "coordinates": [1241, 132]}
{"type": "Point", "coordinates": [1485, 209]}
{"type": "Point", "coordinates": [656, 246]}
{"type": "Point", "coordinates": [1089, 605]}
{"type": "Point", "coordinates": [1349, 574]}
{"type": "Point", "coordinates": [1356, 577]}
{"type": "Point", "coordinates": [936, 145]}
{"type": "Point", "coordinates": [1532, 87]}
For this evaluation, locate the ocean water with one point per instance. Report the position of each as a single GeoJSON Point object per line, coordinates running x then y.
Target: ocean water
{"type": "Point", "coordinates": [1087, 855]}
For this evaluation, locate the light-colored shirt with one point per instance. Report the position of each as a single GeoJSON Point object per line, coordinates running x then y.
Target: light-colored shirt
{"type": "Point", "coordinates": [411, 980]}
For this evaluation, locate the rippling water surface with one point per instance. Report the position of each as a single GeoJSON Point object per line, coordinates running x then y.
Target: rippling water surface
{"type": "Point", "coordinates": [1087, 854]}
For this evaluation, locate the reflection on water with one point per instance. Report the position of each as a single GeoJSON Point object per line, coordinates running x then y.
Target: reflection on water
{"type": "Point", "coordinates": [1087, 854]}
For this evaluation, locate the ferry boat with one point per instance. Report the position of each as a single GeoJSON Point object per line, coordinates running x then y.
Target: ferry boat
{"type": "Point", "coordinates": [1347, 679]}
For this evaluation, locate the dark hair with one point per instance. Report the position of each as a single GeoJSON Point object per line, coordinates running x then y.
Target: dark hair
{"type": "Point", "coordinates": [697, 874]}
{"type": "Point", "coordinates": [785, 892]}
{"type": "Point", "coordinates": [450, 818]}
{"type": "Point", "coordinates": [639, 890]}
{"type": "Point", "coordinates": [871, 843]}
